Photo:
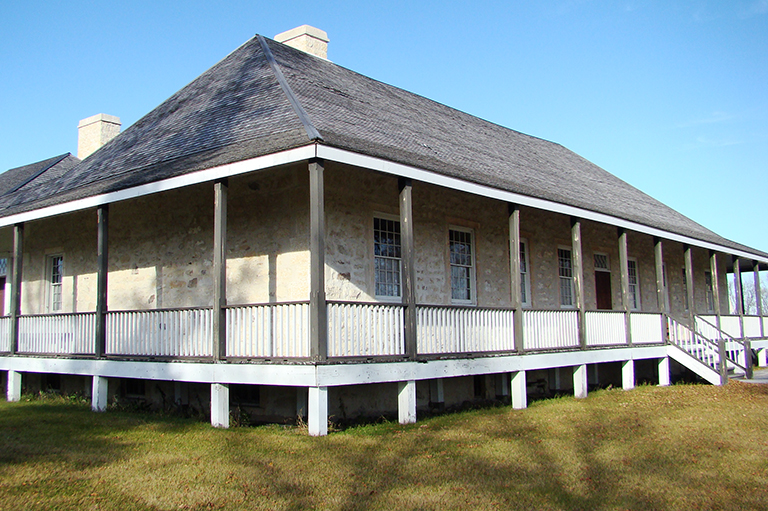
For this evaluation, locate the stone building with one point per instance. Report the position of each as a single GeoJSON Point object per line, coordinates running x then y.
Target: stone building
{"type": "Point", "coordinates": [290, 237]}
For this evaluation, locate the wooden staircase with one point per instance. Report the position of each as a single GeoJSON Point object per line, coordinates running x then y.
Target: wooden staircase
{"type": "Point", "coordinates": [702, 349]}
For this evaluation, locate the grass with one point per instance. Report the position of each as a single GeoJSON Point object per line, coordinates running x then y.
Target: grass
{"type": "Point", "coordinates": [681, 447]}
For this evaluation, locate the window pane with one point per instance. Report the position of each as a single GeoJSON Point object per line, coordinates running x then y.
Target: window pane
{"type": "Point", "coordinates": [460, 248]}
{"type": "Point", "coordinates": [566, 276]}
{"type": "Point", "coordinates": [387, 255]}
{"type": "Point", "coordinates": [634, 298]}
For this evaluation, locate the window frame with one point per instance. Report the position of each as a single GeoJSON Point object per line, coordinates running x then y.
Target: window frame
{"type": "Point", "coordinates": [54, 290]}
{"type": "Point", "coordinates": [561, 278]}
{"type": "Point", "coordinates": [710, 290]}
{"type": "Point", "coordinates": [387, 298]}
{"type": "Point", "coordinates": [636, 296]}
{"type": "Point", "coordinates": [472, 267]}
{"type": "Point", "coordinates": [526, 300]}
{"type": "Point", "coordinates": [685, 291]}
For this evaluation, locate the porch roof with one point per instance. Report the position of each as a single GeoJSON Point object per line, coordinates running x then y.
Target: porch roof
{"type": "Point", "coordinates": [266, 97]}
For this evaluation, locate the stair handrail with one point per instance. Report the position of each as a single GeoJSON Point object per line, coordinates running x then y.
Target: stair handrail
{"type": "Point", "coordinates": [726, 338]}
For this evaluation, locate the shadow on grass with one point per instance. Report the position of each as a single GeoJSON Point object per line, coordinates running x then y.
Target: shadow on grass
{"type": "Point", "coordinates": [651, 448]}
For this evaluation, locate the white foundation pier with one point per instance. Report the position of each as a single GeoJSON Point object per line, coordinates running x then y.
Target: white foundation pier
{"type": "Point", "coordinates": [317, 411]}
{"type": "Point", "coordinates": [406, 402]}
{"type": "Point", "coordinates": [99, 393]}
{"type": "Point", "coordinates": [580, 381]}
{"type": "Point", "coordinates": [219, 405]}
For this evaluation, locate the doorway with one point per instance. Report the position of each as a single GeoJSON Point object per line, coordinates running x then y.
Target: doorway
{"type": "Point", "coordinates": [603, 282]}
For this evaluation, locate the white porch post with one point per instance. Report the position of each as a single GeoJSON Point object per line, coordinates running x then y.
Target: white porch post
{"type": "Point", "coordinates": [502, 385]}
{"type": "Point", "coordinates": [99, 393]}
{"type": "Point", "coordinates": [406, 402]}
{"type": "Point", "coordinates": [301, 402]}
{"type": "Point", "coordinates": [518, 389]}
{"type": "Point", "coordinates": [219, 405]}
{"type": "Point", "coordinates": [624, 267]}
{"type": "Point", "coordinates": [436, 392]}
{"type": "Point", "coordinates": [578, 280]}
{"type": "Point", "coordinates": [664, 376]}
{"type": "Point", "coordinates": [514, 272]}
{"type": "Point", "coordinates": [580, 381]}
{"type": "Point", "coordinates": [317, 411]}
{"type": "Point", "coordinates": [762, 357]}
{"type": "Point", "coordinates": [758, 296]}
{"type": "Point", "coordinates": [628, 374]}
{"type": "Point", "coordinates": [13, 392]}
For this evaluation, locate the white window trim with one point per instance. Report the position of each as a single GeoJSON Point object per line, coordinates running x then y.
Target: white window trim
{"type": "Point", "coordinates": [686, 305]}
{"type": "Point", "coordinates": [638, 296]}
{"type": "Point", "coordinates": [607, 258]}
{"type": "Point", "coordinates": [709, 290]}
{"type": "Point", "coordinates": [48, 278]}
{"type": "Point", "coordinates": [386, 298]}
{"type": "Point", "coordinates": [526, 277]}
{"type": "Point", "coordinates": [472, 270]}
{"type": "Point", "coordinates": [573, 284]}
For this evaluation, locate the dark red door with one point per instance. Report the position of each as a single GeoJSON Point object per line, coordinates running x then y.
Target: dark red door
{"type": "Point", "coordinates": [603, 290]}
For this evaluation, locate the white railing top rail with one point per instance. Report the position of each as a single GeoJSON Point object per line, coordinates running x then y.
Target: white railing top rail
{"type": "Point", "coordinates": [53, 314]}
{"type": "Point", "coordinates": [164, 309]}
{"type": "Point", "coordinates": [267, 304]}
{"type": "Point", "coordinates": [462, 307]}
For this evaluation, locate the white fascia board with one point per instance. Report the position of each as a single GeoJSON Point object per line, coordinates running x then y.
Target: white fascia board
{"type": "Point", "coordinates": [398, 169]}
{"type": "Point", "coordinates": [197, 372]}
{"type": "Point", "coordinates": [193, 178]}
{"type": "Point", "coordinates": [309, 375]}
{"type": "Point", "coordinates": [385, 372]}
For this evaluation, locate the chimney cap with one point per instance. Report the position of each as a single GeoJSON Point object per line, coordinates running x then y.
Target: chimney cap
{"type": "Point", "coordinates": [308, 39]}
{"type": "Point", "coordinates": [98, 117]}
{"type": "Point", "coordinates": [302, 30]}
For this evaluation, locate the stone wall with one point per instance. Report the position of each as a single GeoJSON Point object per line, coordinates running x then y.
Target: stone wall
{"type": "Point", "coordinates": [161, 247]}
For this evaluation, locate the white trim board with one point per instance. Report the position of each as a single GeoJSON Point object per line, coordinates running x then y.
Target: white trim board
{"type": "Point", "coordinates": [332, 375]}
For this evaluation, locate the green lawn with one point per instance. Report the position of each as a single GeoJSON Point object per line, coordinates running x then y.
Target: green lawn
{"type": "Point", "coordinates": [681, 447]}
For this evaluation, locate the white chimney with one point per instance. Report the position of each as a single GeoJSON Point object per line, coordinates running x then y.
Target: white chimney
{"type": "Point", "coordinates": [94, 132]}
{"type": "Point", "coordinates": [307, 39]}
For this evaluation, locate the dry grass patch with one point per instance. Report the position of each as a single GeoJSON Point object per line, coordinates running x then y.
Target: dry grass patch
{"type": "Point", "coordinates": [681, 447]}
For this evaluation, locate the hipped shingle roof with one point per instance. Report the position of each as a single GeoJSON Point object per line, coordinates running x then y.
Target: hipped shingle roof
{"type": "Point", "coordinates": [238, 109]}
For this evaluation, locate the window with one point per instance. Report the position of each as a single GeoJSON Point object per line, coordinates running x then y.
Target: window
{"type": "Point", "coordinates": [525, 278]}
{"type": "Point", "coordinates": [386, 255]}
{"type": "Point", "coordinates": [710, 291]}
{"type": "Point", "coordinates": [602, 263]}
{"type": "Point", "coordinates": [55, 274]}
{"type": "Point", "coordinates": [685, 290]}
{"type": "Point", "coordinates": [634, 285]}
{"type": "Point", "coordinates": [566, 277]}
{"type": "Point", "coordinates": [462, 265]}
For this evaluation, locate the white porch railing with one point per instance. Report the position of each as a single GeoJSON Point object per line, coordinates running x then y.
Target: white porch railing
{"type": "Point", "coordinates": [550, 329]}
{"type": "Point", "coordinates": [268, 331]}
{"type": "Point", "coordinates": [166, 332]}
{"type": "Point", "coordinates": [365, 329]}
{"type": "Point", "coordinates": [446, 329]}
{"type": "Point", "coordinates": [60, 334]}
{"type": "Point", "coordinates": [5, 334]}
{"type": "Point", "coordinates": [697, 345]}
{"type": "Point", "coordinates": [752, 326]}
{"type": "Point", "coordinates": [646, 327]}
{"type": "Point", "coordinates": [605, 328]}
{"type": "Point", "coordinates": [730, 325]}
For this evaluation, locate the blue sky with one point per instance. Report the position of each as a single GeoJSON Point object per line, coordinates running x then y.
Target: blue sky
{"type": "Point", "coordinates": [670, 95]}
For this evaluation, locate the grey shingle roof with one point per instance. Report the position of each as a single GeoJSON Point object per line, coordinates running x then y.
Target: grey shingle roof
{"type": "Point", "coordinates": [52, 168]}
{"type": "Point", "coordinates": [238, 110]}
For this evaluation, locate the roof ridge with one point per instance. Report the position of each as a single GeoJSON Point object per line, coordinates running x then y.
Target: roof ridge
{"type": "Point", "coordinates": [55, 161]}
{"type": "Point", "coordinates": [312, 132]}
